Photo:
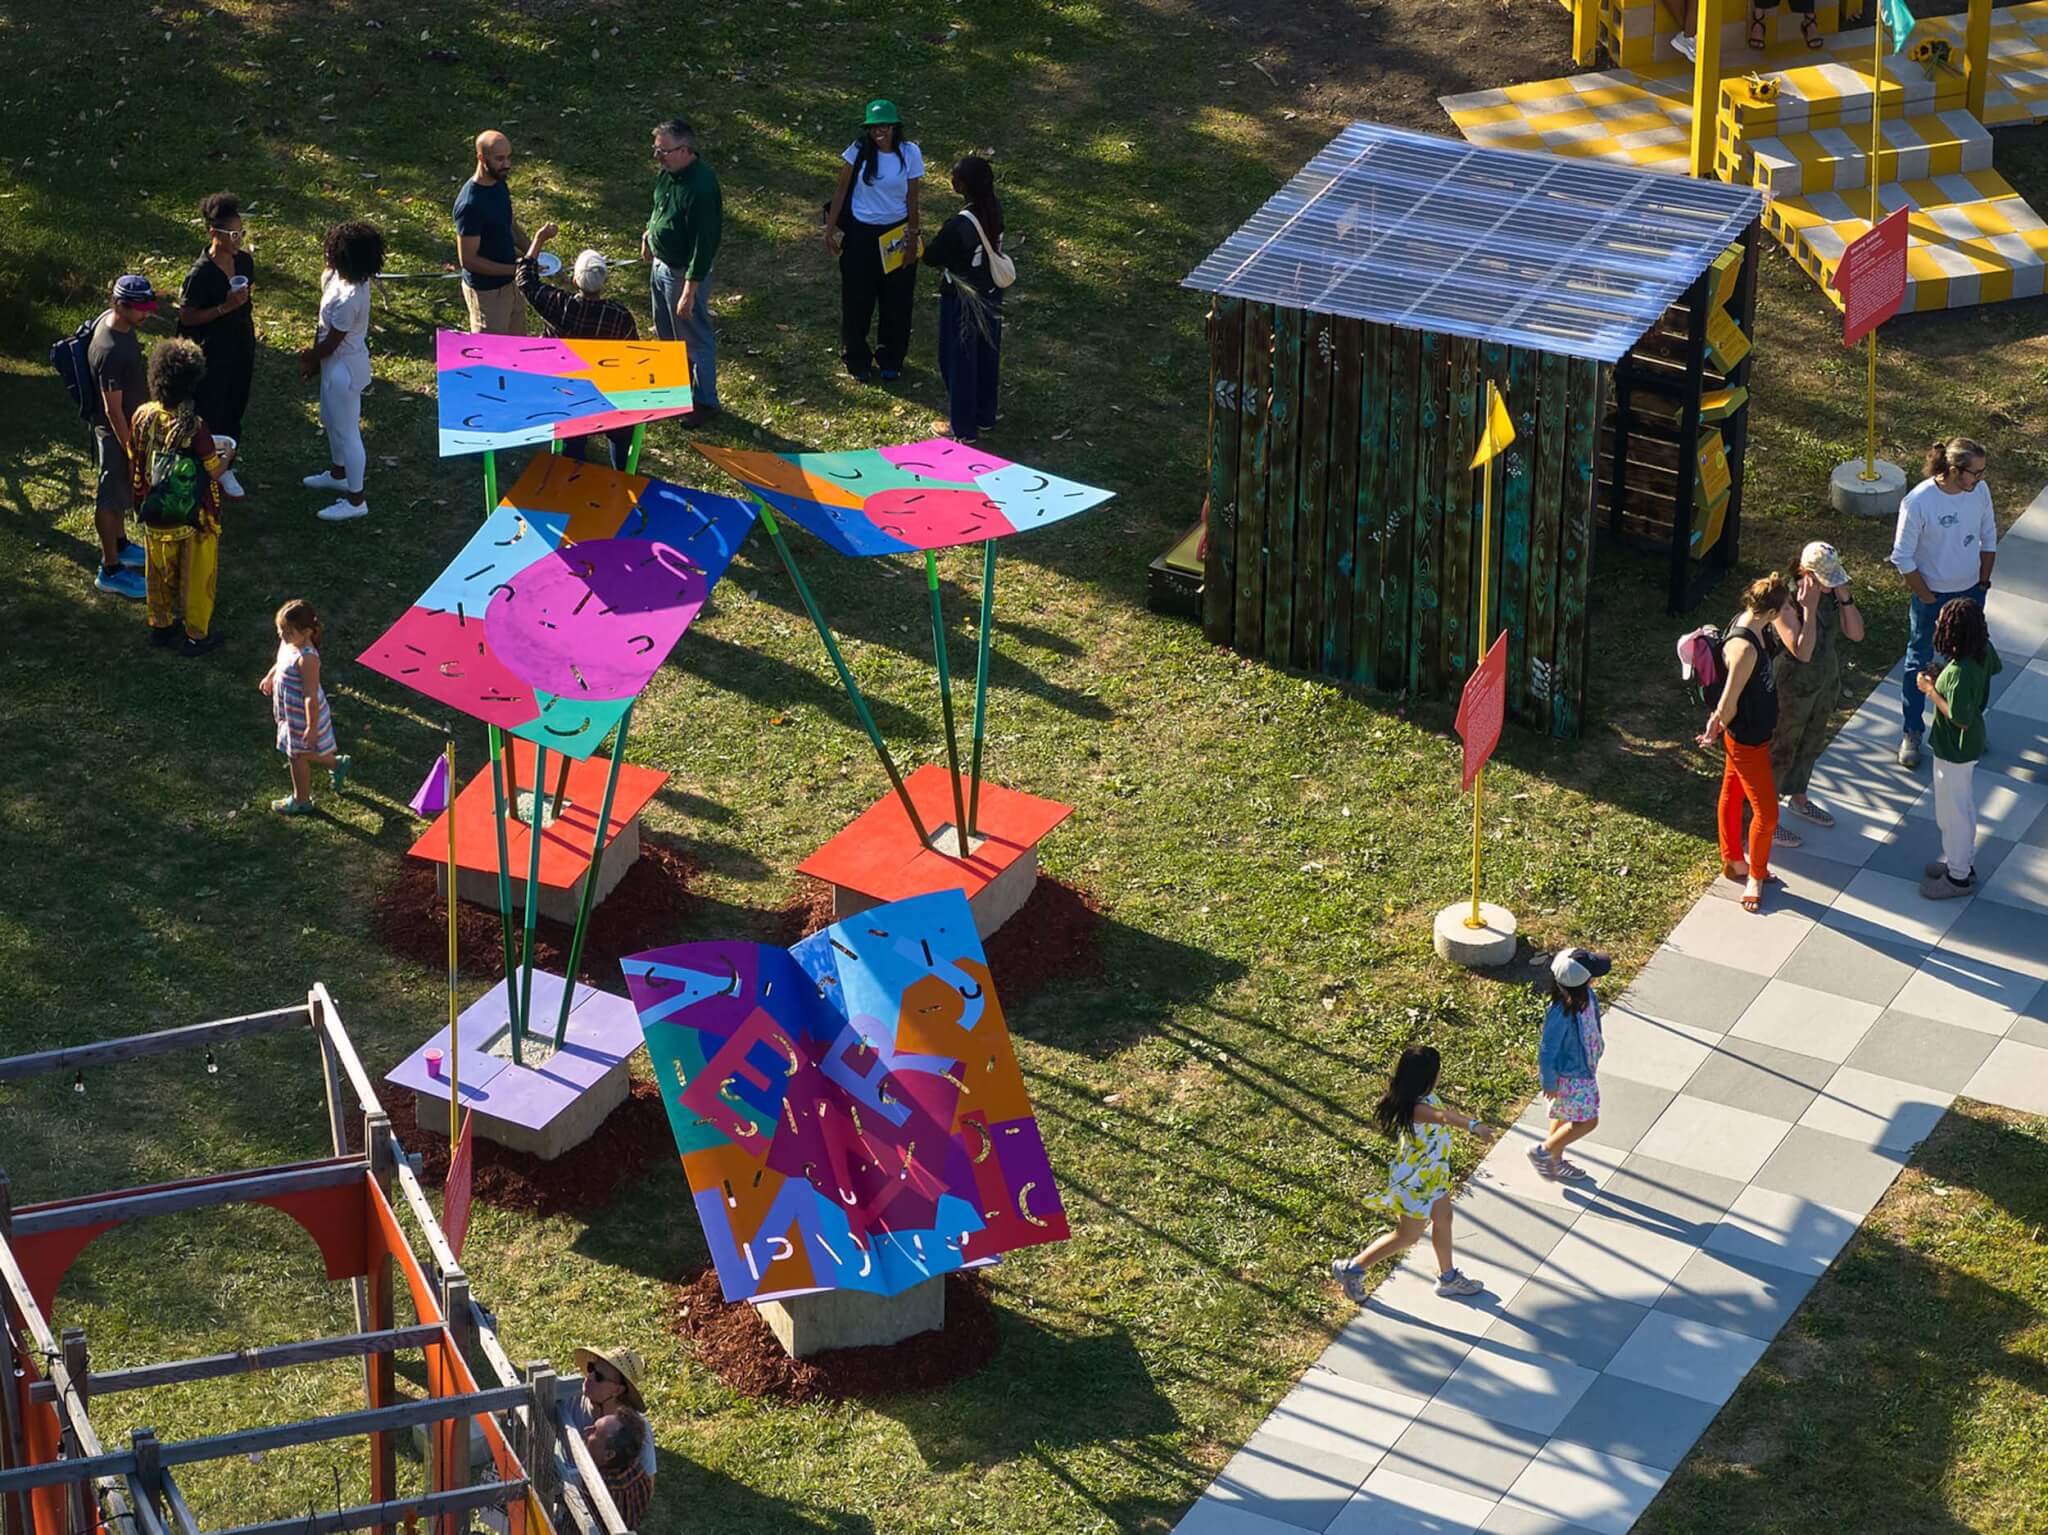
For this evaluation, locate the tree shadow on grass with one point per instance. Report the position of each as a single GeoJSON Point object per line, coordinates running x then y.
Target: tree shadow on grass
{"type": "Point", "coordinates": [1902, 1397]}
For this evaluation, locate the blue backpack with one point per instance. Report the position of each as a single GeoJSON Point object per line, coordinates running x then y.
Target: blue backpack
{"type": "Point", "coordinates": [72, 358]}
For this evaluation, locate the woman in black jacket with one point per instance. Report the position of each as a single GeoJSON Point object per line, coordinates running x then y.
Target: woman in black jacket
{"type": "Point", "coordinates": [213, 310]}
{"type": "Point", "coordinates": [970, 301]}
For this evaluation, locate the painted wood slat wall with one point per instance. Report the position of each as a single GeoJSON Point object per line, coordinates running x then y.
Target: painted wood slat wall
{"type": "Point", "coordinates": [1345, 525]}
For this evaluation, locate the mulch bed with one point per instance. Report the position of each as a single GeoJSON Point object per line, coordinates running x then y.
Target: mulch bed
{"type": "Point", "coordinates": [633, 1139]}
{"type": "Point", "coordinates": [1054, 936]}
{"type": "Point", "coordinates": [643, 913]}
{"type": "Point", "coordinates": [732, 1341]}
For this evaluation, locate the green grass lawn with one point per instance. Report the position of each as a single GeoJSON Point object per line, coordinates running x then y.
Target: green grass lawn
{"type": "Point", "coordinates": [1268, 850]}
{"type": "Point", "coordinates": [1909, 1394]}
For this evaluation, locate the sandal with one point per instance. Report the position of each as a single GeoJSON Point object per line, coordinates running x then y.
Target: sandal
{"type": "Point", "coordinates": [1810, 30]}
{"type": "Point", "coordinates": [1738, 872]}
{"type": "Point", "coordinates": [1753, 897]}
{"type": "Point", "coordinates": [1758, 28]}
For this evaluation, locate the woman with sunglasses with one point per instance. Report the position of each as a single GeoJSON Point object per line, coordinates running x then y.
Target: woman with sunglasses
{"type": "Point", "coordinates": [880, 176]}
{"type": "Point", "coordinates": [611, 1381]}
{"type": "Point", "coordinates": [214, 311]}
{"type": "Point", "coordinates": [1945, 545]}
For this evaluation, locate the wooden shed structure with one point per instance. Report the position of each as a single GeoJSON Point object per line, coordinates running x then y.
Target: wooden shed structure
{"type": "Point", "coordinates": [1356, 320]}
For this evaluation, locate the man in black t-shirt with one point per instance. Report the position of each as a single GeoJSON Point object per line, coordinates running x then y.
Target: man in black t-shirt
{"type": "Point", "coordinates": [118, 372]}
{"type": "Point", "coordinates": [488, 240]}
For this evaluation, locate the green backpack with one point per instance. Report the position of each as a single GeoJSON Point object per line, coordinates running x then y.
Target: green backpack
{"type": "Point", "coordinates": [173, 498]}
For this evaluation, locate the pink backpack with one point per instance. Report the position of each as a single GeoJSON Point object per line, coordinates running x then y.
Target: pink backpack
{"type": "Point", "coordinates": [1700, 664]}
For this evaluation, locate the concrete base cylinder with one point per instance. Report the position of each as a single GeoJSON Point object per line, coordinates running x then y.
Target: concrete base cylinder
{"type": "Point", "coordinates": [1476, 948]}
{"type": "Point", "coordinates": [1849, 492]}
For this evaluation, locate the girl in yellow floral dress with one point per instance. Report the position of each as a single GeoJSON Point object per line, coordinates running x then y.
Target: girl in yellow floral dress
{"type": "Point", "coordinates": [1419, 1179]}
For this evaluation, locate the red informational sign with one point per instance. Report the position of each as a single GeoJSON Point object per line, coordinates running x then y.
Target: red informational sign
{"type": "Point", "coordinates": [455, 1193]}
{"type": "Point", "coordinates": [1483, 708]}
{"type": "Point", "coordinates": [1872, 278]}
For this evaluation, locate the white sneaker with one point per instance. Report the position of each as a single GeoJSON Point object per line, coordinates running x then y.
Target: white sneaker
{"type": "Point", "coordinates": [343, 510]}
{"type": "Point", "coordinates": [326, 479]}
{"type": "Point", "coordinates": [232, 487]}
{"type": "Point", "coordinates": [1687, 46]}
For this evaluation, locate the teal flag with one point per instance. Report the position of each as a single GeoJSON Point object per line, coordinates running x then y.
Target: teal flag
{"type": "Point", "coordinates": [1899, 21]}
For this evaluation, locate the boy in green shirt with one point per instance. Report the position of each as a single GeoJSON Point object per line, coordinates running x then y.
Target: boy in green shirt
{"type": "Point", "coordinates": [1957, 741]}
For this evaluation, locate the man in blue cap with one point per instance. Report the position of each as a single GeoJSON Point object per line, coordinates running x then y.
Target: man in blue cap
{"type": "Point", "coordinates": [118, 372]}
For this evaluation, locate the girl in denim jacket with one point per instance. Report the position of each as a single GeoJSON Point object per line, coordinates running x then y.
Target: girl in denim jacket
{"type": "Point", "coordinates": [1569, 1060]}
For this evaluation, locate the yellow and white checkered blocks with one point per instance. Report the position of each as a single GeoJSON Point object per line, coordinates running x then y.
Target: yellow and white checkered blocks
{"type": "Point", "coordinates": [1609, 115]}
{"type": "Point", "coordinates": [1834, 94]}
{"type": "Point", "coordinates": [1971, 238]}
{"type": "Point", "coordinates": [1838, 159]}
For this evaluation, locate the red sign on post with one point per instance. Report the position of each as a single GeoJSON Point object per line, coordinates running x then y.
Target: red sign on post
{"type": "Point", "coordinates": [1483, 708]}
{"type": "Point", "coordinates": [456, 1191]}
{"type": "Point", "coordinates": [1871, 278]}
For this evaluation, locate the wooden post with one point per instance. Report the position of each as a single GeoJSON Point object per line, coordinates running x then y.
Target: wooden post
{"type": "Point", "coordinates": [543, 1425]}
{"type": "Point", "coordinates": [1585, 31]}
{"type": "Point", "coordinates": [379, 1384]}
{"type": "Point", "coordinates": [1226, 423]}
{"type": "Point", "coordinates": [149, 1471]}
{"type": "Point", "coordinates": [84, 1508]}
{"type": "Point", "coordinates": [1699, 301]}
{"type": "Point", "coordinates": [1977, 49]}
{"type": "Point", "coordinates": [452, 1443]}
{"type": "Point", "coordinates": [1706, 87]}
{"type": "Point", "coordinates": [13, 1452]}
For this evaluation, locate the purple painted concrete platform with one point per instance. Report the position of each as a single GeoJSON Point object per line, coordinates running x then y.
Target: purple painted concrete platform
{"type": "Point", "coordinates": [545, 1109]}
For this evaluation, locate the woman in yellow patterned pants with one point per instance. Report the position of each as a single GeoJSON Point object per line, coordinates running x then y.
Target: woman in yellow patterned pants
{"type": "Point", "coordinates": [176, 468]}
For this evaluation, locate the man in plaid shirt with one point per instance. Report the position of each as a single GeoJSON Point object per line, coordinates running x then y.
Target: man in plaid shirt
{"type": "Point", "coordinates": [580, 315]}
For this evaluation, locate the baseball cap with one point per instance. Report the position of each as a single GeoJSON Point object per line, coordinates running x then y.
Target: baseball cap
{"type": "Point", "coordinates": [1822, 560]}
{"type": "Point", "coordinates": [1575, 967]}
{"type": "Point", "coordinates": [591, 270]}
{"type": "Point", "coordinates": [134, 290]}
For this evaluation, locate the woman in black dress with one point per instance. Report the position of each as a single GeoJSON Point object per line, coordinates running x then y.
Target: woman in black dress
{"type": "Point", "coordinates": [214, 311]}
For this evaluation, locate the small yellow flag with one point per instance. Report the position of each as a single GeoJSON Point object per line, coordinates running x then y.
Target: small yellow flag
{"type": "Point", "coordinates": [1500, 431]}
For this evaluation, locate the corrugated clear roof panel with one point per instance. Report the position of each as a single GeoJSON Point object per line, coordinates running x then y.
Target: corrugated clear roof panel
{"type": "Point", "coordinates": [1500, 245]}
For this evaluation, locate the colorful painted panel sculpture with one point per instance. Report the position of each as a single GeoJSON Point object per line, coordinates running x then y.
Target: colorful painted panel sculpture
{"type": "Point", "coordinates": [849, 1111]}
{"type": "Point", "coordinates": [917, 495]}
{"type": "Point", "coordinates": [514, 391]}
{"type": "Point", "coordinates": [560, 608]}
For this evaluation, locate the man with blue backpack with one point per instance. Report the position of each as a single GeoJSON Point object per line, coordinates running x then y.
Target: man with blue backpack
{"type": "Point", "coordinates": [102, 365]}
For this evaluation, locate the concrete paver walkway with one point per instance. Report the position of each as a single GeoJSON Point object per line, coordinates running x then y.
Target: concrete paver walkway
{"type": "Point", "coordinates": [1765, 1080]}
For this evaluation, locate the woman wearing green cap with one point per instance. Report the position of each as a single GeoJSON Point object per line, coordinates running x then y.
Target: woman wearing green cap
{"type": "Point", "coordinates": [872, 223]}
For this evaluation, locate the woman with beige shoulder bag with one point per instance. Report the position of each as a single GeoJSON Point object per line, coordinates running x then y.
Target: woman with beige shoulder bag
{"type": "Point", "coordinates": [968, 249]}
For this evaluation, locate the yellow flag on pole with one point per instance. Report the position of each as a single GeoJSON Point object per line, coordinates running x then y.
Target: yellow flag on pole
{"type": "Point", "coordinates": [1500, 431]}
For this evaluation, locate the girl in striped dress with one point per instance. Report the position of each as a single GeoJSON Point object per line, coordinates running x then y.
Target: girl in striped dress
{"type": "Point", "coordinates": [305, 730]}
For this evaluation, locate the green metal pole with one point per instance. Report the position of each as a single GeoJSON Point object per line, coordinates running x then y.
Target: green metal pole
{"type": "Point", "coordinates": [555, 445]}
{"type": "Point", "coordinates": [604, 821]}
{"type": "Point", "coordinates": [988, 609]}
{"type": "Point", "coordinates": [931, 581]}
{"type": "Point", "coordinates": [490, 481]}
{"type": "Point", "coordinates": [498, 798]}
{"type": "Point", "coordinates": [534, 830]}
{"type": "Point", "coordinates": [633, 448]}
{"type": "Point", "coordinates": [860, 704]}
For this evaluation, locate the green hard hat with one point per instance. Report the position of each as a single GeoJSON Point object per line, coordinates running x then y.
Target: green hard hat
{"type": "Point", "coordinates": [880, 111]}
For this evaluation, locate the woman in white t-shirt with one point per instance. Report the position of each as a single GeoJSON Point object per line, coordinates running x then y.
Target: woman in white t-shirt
{"type": "Point", "coordinates": [341, 357]}
{"type": "Point", "coordinates": [871, 222]}
{"type": "Point", "coordinates": [1944, 545]}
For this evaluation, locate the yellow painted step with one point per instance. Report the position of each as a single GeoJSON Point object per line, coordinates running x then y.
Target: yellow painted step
{"type": "Point", "coordinates": [1971, 238]}
{"type": "Point", "coordinates": [1832, 93]}
{"type": "Point", "coordinates": [1838, 159]}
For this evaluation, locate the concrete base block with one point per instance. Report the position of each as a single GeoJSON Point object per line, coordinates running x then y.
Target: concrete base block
{"type": "Point", "coordinates": [557, 903]}
{"type": "Point", "coordinates": [1476, 948]}
{"type": "Point", "coordinates": [1849, 492]}
{"type": "Point", "coordinates": [808, 1324]}
{"type": "Point", "coordinates": [993, 905]}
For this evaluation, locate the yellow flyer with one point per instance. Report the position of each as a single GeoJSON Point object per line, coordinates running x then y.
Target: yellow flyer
{"type": "Point", "coordinates": [893, 242]}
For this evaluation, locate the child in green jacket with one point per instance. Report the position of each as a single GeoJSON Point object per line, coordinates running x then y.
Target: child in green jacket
{"type": "Point", "coordinates": [1957, 741]}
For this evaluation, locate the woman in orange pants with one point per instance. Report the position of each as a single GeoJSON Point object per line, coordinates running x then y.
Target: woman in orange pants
{"type": "Point", "coordinates": [1744, 716]}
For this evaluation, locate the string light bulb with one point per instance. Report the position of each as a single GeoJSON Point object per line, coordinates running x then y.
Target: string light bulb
{"type": "Point", "coordinates": [78, 1082]}
{"type": "Point", "coordinates": [212, 1065]}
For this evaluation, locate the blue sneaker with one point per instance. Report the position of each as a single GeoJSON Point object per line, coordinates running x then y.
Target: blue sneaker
{"type": "Point", "coordinates": [133, 557]}
{"type": "Point", "coordinates": [122, 583]}
{"type": "Point", "coordinates": [342, 763]}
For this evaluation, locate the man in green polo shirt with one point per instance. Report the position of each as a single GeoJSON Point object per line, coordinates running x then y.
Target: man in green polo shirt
{"type": "Point", "coordinates": [681, 240]}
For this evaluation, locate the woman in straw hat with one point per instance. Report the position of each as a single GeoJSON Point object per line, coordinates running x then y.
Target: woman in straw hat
{"type": "Point", "coordinates": [611, 1380]}
{"type": "Point", "coordinates": [1807, 672]}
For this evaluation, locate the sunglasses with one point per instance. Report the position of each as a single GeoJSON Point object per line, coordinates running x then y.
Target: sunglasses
{"type": "Point", "coordinates": [601, 1375]}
